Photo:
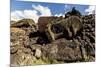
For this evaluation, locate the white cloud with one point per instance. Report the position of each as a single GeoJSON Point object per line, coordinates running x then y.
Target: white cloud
{"type": "Point", "coordinates": [32, 14]}
{"type": "Point", "coordinates": [90, 10]}
{"type": "Point", "coordinates": [18, 15]}
{"type": "Point", "coordinates": [66, 7]}
{"type": "Point", "coordinates": [45, 11]}
{"type": "Point", "coordinates": [58, 15]}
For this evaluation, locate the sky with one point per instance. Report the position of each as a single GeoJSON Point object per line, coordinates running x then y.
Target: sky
{"type": "Point", "coordinates": [33, 10]}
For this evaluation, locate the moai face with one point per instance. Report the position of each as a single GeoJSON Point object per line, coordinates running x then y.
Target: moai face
{"type": "Point", "coordinates": [67, 27]}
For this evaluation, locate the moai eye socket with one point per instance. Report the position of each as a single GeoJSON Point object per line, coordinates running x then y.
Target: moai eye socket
{"type": "Point", "coordinates": [56, 28]}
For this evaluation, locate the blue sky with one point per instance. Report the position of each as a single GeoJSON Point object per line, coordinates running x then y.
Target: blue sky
{"type": "Point", "coordinates": [53, 8]}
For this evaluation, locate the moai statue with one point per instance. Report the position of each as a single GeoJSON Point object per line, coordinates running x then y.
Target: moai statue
{"type": "Point", "coordinates": [67, 27]}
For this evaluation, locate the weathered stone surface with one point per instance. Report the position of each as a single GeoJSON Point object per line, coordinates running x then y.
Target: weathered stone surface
{"type": "Point", "coordinates": [19, 37]}
{"type": "Point", "coordinates": [63, 49]}
{"type": "Point", "coordinates": [38, 53]}
{"type": "Point", "coordinates": [13, 49]}
{"type": "Point", "coordinates": [21, 58]}
{"type": "Point", "coordinates": [43, 21]}
{"type": "Point", "coordinates": [29, 46]}
{"type": "Point", "coordinates": [66, 27]}
{"type": "Point", "coordinates": [26, 24]}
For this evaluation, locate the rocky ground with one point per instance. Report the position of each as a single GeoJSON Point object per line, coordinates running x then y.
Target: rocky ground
{"type": "Point", "coordinates": [26, 50]}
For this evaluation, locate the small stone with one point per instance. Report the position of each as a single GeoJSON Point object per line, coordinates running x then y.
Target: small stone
{"type": "Point", "coordinates": [38, 53]}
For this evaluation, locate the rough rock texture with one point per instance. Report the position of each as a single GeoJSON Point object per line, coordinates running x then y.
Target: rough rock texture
{"type": "Point", "coordinates": [19, 37]}
{"type": "Point", "coordinates": [26, 24]}
{"type": "Point", "coordinates": [62, 49]}
{"type": "Point", "coordinates": [66, 27]}
{"type": "Point", "coordinates": [43, 21]}
{"type": "Point", "coordinates": [89, 34]}
{"type": "Point", "coordinates": [29, 46]}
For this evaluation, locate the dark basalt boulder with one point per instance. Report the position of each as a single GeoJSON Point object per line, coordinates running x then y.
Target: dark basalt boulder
{"type": "Point", "coordinates": [73, 12]}
{"type": "Point", "coordinates": [63, 50]}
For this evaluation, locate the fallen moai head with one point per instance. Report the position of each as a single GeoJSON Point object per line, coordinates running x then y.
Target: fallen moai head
{"type": "Point", "coordinates": [43, 21]}
{"type": "Point", "coordinates": [67, 27]}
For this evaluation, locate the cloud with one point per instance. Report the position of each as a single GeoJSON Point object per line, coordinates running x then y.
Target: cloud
{"type": "Point", "coordinates": [32, 14]}
{"type": "Point", "coordinates": [58, 15]}
{"type": "Point", "coordinates": [44, 11]}
{"type": "Point", "coordinates": [15, 15]}
{"type": "Point", "coordinates": [18, 15]}
{"type": "Point", "coordinates": [35, 13]}
{"type": "Point", "coordinates": [66, 7]}
{"type": "Point", "coordinates": [90, 10]}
